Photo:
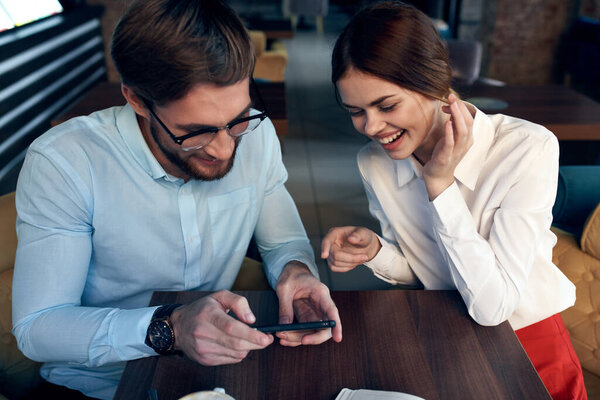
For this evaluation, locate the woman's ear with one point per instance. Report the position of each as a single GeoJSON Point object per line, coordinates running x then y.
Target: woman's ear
{"type": "Point", "coordinates": [134, 101]}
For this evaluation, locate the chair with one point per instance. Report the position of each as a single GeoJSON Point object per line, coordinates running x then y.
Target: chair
{"type": "Point", "coordinates": [577, 254]}
{"type": "Point", "coordinates": [312, 8]}
{"type": "Point", "coordinates": [251, 276]}
{"type": "Point", "coordinates": [577, 195]}
{"type": "Point", "coordinates": [465, 60]}
{"type": "Point", "coordinates": [18, 374]}
{"type": "Point", "coordinates": [271, 61]}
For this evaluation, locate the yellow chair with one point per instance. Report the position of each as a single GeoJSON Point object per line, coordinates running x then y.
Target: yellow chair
{"type": "Point", "coordinates": [270, 62]}
{"type": "Point", "coordinates": [580, 262]}
{"type": "Point", "coordinates": [251, 276]}
{"type": "Point", "coordinates": [18, 374]}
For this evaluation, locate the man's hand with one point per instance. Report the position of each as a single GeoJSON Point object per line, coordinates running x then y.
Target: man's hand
{"type": "Point", "coordinates": [303, 295]}
{"type": "Point", "coordinates": [348, 246]}
{"type": "Point", "coordinates": [206, 334]}
{"type": "Point", "coordinates": [438, 172]}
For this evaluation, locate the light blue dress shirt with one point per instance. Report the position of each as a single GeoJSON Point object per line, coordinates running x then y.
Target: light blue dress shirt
{"type": "Point", "coordinates": [101, 226]}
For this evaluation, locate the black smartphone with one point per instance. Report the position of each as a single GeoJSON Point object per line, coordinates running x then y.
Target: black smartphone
{"type": "Point", "coordinates": [296, 327]}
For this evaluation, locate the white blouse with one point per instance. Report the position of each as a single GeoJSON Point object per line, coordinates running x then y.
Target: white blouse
{"type": "Point", "coordinates": [487, 235]}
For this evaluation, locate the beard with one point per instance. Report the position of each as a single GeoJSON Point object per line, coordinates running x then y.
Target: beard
{"type": "Point", "coordinates": [189, 168]}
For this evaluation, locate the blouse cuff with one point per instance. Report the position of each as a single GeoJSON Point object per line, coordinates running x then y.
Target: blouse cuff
{"type": "Point", "coordinates": [383, 263]}
{"type": "Point", "coordinates": [449, 208]}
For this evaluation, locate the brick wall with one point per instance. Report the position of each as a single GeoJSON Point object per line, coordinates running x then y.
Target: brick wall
{"type": "Point", "coordinates": [590, 8]}
{"type": "Point", "coordinates": [525, 40]}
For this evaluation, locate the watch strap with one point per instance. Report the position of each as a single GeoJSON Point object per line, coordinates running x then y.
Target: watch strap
{"type": "Point", "coordinates": [164, 311]}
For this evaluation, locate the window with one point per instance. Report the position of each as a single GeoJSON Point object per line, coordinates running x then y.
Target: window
{"type": "Point", "coordinates": [15, 13]}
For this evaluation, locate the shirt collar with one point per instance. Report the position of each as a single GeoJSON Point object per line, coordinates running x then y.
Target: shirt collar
{"type": "Point", "coordinates": [467, 171]}
{"type": "Point", "coordinates": [406, 170]}
{"type": "Point", "coordinates": [130, 131]}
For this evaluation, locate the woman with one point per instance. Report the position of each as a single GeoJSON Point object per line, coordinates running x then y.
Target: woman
{"type": "Point", "coordinates": [464, 199]}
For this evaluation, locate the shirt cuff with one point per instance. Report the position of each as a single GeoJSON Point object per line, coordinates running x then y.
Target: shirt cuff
{"type": "Point", "coordinates": [136, 320]}
{"type": "Point", "coordinates": [294, 251]}
{"type": "Point", "coordinates": [449, 210]}
{"type": "Point", "coordinates": [383, 263]}
{"type": "Point", "coordinates": [125, 332]}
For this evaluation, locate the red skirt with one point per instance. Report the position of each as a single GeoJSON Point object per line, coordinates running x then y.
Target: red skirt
{"type": "Point", "coordinates": [549, 348]}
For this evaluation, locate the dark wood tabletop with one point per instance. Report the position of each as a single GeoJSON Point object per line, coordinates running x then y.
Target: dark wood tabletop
{"type": "Point", "coordinates": [418, 342]}
{"type": "Point", "coordinates": [568, 114]}
{"type": "Point", "coordinates": [108, 94]}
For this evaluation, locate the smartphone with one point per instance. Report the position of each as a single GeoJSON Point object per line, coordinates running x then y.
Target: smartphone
{"type": "Point", "coordinates": [296, 327]}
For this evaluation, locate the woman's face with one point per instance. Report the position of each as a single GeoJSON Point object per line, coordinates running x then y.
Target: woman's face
{"type": "Point", "coordinates": [400, 120]}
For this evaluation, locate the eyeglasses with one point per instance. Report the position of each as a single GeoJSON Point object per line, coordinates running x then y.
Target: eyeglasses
{"type": "Point", "coordinates": [202, 138]}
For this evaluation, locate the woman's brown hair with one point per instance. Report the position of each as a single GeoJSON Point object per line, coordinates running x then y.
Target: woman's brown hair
{"type": "Point", "coordinates": [162, 48]}
{"type": "Point", "coordinates": [398, 43]}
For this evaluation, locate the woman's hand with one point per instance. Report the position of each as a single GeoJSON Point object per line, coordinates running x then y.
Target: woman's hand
{"type": "Point", "coordinates": [438, 172]}
{"type": "Point", "coordinates": [348, 246]}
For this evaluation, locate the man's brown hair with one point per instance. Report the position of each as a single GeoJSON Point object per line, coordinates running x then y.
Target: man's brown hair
{"type": "Point", "coordinates": [162, 48]}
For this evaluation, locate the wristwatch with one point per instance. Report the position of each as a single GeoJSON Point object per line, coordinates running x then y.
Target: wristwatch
{"type": "Point", "coordinates": [160, 335]}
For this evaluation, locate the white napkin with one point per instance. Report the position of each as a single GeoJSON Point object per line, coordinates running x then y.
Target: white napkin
{"type": "Point", "coordinates": [365, 394]}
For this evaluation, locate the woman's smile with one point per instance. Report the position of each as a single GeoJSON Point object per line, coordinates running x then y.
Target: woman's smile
{"type": "Point", "coordinates": [387, 139]}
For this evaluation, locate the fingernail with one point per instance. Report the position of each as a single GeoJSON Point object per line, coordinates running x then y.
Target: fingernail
{"type": "Point", "coordinates": [265, 340]}
{"type": "Point", "coordinates": [250, 317]}
{"type": "Point", "coordinates": [285, 320]}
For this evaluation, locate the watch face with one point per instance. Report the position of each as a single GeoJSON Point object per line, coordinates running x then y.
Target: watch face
{"type": "Point", "coordinates": [160, 335]}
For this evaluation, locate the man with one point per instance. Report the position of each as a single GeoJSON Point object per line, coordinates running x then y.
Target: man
{"type": "Point", "coordinates": [163, 193]}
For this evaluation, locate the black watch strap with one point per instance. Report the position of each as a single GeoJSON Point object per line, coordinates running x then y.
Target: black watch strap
{"type": "Point", "coordinates": [164, 311]}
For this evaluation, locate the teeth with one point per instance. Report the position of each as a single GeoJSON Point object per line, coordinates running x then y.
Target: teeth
{"type": "Point", "coordinates": [390, 139]}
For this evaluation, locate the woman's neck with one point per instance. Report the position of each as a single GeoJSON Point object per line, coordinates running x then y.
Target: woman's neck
{"type": "Point", "coordinates": [424, 152]}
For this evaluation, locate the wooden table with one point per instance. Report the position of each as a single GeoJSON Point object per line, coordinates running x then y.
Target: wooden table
{"type": "Point", "coordinates": [418, 342]}
{"type": "Point", "coordinates": [570, 115]}
{"type": "Point", "coordinates": [108, 94]}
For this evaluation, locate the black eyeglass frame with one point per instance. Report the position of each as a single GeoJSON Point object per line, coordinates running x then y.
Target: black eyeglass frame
{"type": "Point", "coordinates": [213, 129]}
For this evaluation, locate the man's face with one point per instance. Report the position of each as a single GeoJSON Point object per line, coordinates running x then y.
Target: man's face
{"type": "Point", "coordinates": [205, 105]}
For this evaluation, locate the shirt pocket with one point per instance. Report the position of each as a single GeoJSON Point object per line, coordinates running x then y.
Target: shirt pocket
{"type": "Point", "coordinates": [231, 221]}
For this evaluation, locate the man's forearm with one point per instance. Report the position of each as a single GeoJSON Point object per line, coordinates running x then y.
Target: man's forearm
{"type": "Point", "coordinates": [84, 335]}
